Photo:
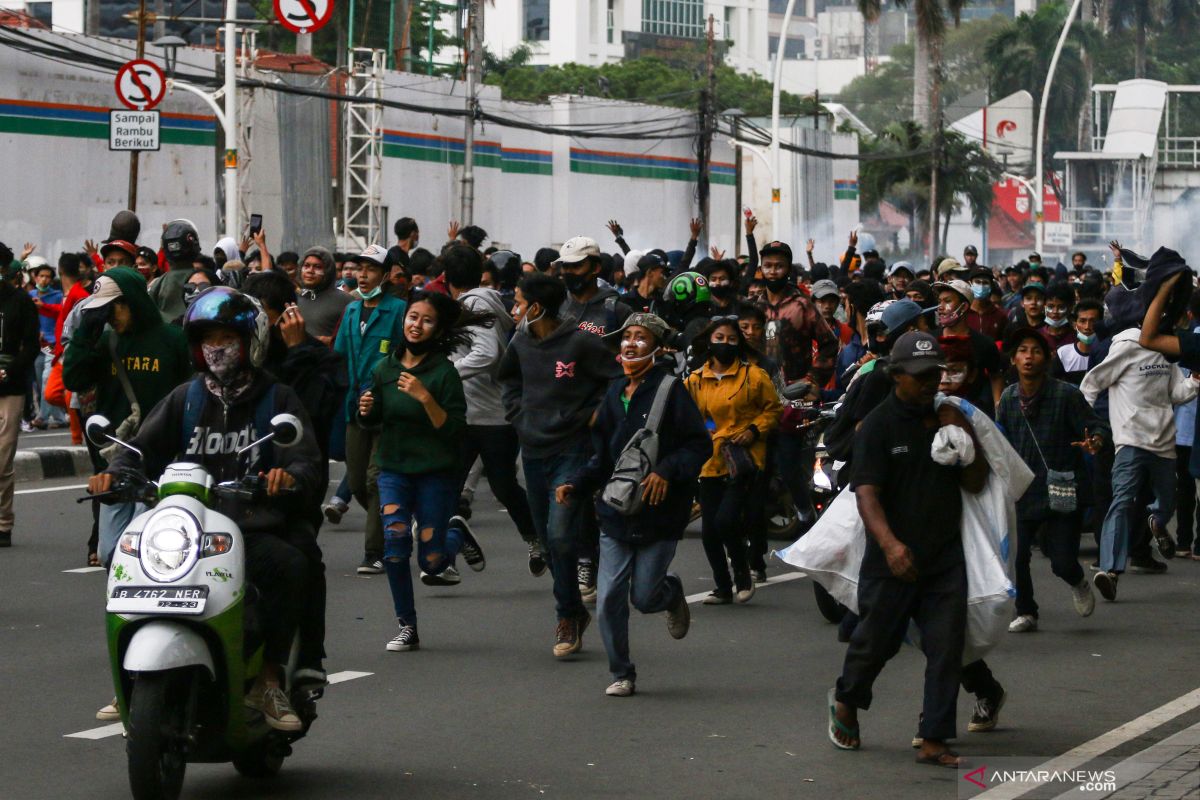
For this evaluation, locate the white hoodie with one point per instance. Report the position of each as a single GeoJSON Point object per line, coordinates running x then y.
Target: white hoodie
{"type": "Point", "coordinates": [1143, 390]}
{"type": "Point", "coordinates": [478, 364]}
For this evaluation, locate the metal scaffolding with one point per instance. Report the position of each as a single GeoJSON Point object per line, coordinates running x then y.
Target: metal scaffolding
{"type": "Point", "coordinates": [362, 188]}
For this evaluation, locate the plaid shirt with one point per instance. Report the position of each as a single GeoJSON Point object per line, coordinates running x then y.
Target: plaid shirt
{"type": "Point", "coordinates": [1057, 416]}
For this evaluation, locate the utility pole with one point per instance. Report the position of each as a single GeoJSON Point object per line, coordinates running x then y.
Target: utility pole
{"type": "Point", "coordinates": [133, 155]}
{"type": "Point", "coordinates": [703, 183]}
{"type": "Point", "coordinates": [473, 32]}
{"type": "Point", "coordinates": [231, 120]}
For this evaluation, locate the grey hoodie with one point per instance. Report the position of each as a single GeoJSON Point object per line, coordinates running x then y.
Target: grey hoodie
{"type": "Point", "coordinates": [598, 315]}
{"type": "Point", "coordinates": [322, 308]}
{"type": "Point", "coordinates": [478, 363]}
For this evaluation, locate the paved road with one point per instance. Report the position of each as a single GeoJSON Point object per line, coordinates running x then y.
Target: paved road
{"type": "Point", "coordinates": [484, 710]}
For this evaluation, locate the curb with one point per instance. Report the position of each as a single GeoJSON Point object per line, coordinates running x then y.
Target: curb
{"type": "Point", "coordinates": [46, 463]}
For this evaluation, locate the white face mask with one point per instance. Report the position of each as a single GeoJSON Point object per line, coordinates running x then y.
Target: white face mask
{"type": "Point", "coordinates": [523, 325]}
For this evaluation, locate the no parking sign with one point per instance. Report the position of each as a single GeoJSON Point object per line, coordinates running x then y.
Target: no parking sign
{"type": "Point", "coordinates": [140, 84]}
{"type": "Point", "coordinates": [303, 16]}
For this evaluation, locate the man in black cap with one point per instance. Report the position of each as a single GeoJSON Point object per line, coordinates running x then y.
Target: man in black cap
{"type": "Point", "coordinates": [914, 564]}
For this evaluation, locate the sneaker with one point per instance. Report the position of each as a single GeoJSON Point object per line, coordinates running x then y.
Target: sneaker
{"type": "Point", "coordinates": [334, 510]}
{"type": "Point", "coordinates": [587, 580]}
{"type": "Point", "coordinates": [370, 566]}
{"type": "Point", "coordinates": [759, 575]}
{"type": "Point", "coordinates": [1094, 566]}
{"type": "Point", "coordinates": [1025, 623]}
{"type": "Point", "coordinates": [471, 552]}
{"type": "Point", "coordinates": [26, 427]}
{"type": "Point", "coordinates": [621, 688]}
{"type": "Point", "coordinates": [986, 713]}
{"type": "Point", "coordinates": [1166, 545]}
{"type": "Point", "coordinates": [568, 636]}
{"type": "Point", "coordinates": [744, 595]}
{"type": "Point", "coordinates": [537, 561]}
{"type": "Point", "coordinates": [1083, 598]}
{"type": "Point", "coordinates": [718, 598]}
{"type": "Point", "coordinates": [275, 708]}
{"type": "Point", "coordinates": [447, 577]}
{"type": "Point", "coordinates": [110, 713]}
{"type": "Point", "coordinates": [464, 507]}
{"type": "Point", "coordinates": [5, 538]}
{"type": "Point", "coordinates": [1147, 566]}
{"type": "Point", "coordinates": [1106, 585]}
{"type": "Point", "coordinates": [404, 641]}
{"type": "Point", "coordinates": [679, 618]}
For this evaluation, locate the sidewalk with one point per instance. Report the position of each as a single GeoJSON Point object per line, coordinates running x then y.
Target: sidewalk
{"type": "Point", "coordinates": [1169, 770]}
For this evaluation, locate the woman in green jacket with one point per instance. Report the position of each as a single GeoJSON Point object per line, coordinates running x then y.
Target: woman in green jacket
{"type": "Point", "coordinates": [417, 396]}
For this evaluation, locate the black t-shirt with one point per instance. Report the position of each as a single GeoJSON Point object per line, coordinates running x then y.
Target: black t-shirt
{"type": "Point", "coordinates": [988, 364]}
{"type": "Point", "coordinates": [920, 497]}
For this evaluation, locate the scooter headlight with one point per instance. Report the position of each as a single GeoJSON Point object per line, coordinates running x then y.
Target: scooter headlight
{"type": "Point", "coordinates": [170, 544]}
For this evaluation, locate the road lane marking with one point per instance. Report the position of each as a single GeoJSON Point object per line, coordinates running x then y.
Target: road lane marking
{"type": "Point", "coordinates": [784, 578]}
{"type": "Point", "coordinates": [348, 675]}
{"type": "Point", "coordinates": [51, 489]}
{"type": "Point", "coordinates": [102, 732]}
{"type": "Point", "coordinates": [81, 570]}
{"type": "Point", "coordinates": [1077, 757]}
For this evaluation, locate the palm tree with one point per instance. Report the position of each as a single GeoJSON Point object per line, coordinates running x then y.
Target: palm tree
{"type": "Point", "coordinates": [1140, 16]}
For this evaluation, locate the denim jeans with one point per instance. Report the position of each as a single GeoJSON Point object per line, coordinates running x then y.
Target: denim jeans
{"type": "Point", "coordinates": [114, 519]}
{"type": "Point", "coordinates": [48, 412]}
{"type": "Point", "coordinates": [1060, 542]}
{"type": "Point", "coordinates": [430, 498]}
{"type": "Point", "coordinates": [559, 526]}
{"type": "Point", "coordinates": [637, 573]}
{"type": "Point", "coordinates": [1133, 467]}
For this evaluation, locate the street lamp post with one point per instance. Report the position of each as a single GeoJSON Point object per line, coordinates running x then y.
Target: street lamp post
{"type": "Point", "coordinates": [1041, 126]}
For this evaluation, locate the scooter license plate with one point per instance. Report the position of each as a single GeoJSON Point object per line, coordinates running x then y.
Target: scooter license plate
{"type": "Point", "coordinates": [158, 600]}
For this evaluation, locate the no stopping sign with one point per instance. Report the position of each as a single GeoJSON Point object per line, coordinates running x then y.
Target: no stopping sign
{"type": "Point", "coordinates": [303, 16]}
{"type": "Point", "coordinates": [140, 84]}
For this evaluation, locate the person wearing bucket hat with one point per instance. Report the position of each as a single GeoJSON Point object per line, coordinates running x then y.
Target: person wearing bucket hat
{"type": "Point", "coordinates": [914, 565]}
{"type": "Point", "coordinates": [636, 550]}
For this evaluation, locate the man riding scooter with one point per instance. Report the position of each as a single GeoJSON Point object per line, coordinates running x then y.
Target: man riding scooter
{"type": "Point", "coordinates": [206, 421]}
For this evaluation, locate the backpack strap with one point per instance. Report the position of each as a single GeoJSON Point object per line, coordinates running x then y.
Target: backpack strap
{"type": "Point", "coordinates": [193, 410]}
{"type": "Point", "coordinates": [610, 314]}
{"type": "Point", "coordinates": [654, 419]}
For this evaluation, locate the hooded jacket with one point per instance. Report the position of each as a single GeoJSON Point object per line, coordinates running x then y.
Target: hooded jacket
{"type": "Point", "coordinates": [479, 363]}
{"type": "Point", "coordinates": [1143, 389]}
{"type": "Point", "coordinates": [552, 386]}
{"type": "Point", "coordinates": [213, 443]}
{"type": "Point", "coordinates": [18, 338]}
{"type": "Point", "coordinates": [604, 313]}
{"type": "Point", "coordinates": [229, 247]}
{"type": "Point", "coordinates": [155, 354]}
{"type": "Point", "coordinates": [363, 347]}
{"type": "Point", "coordinates": [322, 307]}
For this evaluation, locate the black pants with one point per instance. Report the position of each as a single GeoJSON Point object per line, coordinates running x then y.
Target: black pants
{"type": "Point", "coordinates": [756, 519]}
{"type": "Point", "coordinates": [1060, 543]}
{"type": "Point", "coordinates": [938, 604]}
{"type": "Point", "coordinates": [1185, 500]}
{"type": "Point", "coordinates": [723, 504]}
{"type": "Point", "coordinates": [311, 623]}
{"type": "Point", "coordinates": [497, 446]}
{"type": "Point", "coordinates": [279, 571]}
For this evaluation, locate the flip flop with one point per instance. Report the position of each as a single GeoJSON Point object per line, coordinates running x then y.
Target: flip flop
{"type": "Point", "coordinates": [836, 725]}
{"type": "Point", "coordinates": [946, 758]}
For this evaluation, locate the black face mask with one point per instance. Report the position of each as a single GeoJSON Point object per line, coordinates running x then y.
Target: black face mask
{"type": "Point", "coordinates": [724, 352]}
{"type": "Point", "coordinates": [578, 284]}
{"type": "Point", "coordinates": [776, 285]}
{"type": "Point", "coordinates": [419, 348]}
{"type": "Point", "coordinates": [721, 291]}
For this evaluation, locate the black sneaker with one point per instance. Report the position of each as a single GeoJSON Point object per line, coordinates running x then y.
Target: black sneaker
{"type": "Point", "coordinates": [1166, 545]}
{"type": "Point", "coordinates": [759, 575]}
{"type": "Point", "coordinates": [537, 561]}
{"type": "Point", "coordinates": [464, 508]}
{"type": "Point", "coordinates": [986, 713]}
{"type": "Point", "coordinates": [1106, 585]}
{"type": "Point", "coordinates": [371, 565]}
{"type": "Point", "coordinates": [405, 641]}
{"type": "Point", "coordinates": [586, 576]}
{"type": "Point", "coordinates": [471, 552]}
{"type": "Point", "coordinates": [1147, 566]}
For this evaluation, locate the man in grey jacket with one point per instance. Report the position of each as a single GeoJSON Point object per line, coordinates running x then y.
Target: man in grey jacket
{"type": "Point", "coordinates": [321, 302]}
{"type": "Point", "coordinates": [489, 436]}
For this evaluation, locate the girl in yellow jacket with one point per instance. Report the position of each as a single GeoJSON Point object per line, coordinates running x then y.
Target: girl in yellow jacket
{"type": "Point", "coordinates": [740, 407]}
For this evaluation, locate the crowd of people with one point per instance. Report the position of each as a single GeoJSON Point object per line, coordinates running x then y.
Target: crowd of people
{"type": "Point", "coordinates": [638, 390]}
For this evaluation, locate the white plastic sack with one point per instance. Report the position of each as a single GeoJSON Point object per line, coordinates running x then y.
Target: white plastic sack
{"type": "Point", "coordinates": [831, 552]}
{"type": "Point", "coordinates": [952, 447]}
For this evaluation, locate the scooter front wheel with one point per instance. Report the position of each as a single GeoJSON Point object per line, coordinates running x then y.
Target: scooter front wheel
{"type": "Point", "coordinates": [155, 742]}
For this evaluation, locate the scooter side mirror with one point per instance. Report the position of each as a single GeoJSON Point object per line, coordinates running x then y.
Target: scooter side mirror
{"type": "Point", "coordinates": [98, 428]}
{"type": "Point", "coordinates": [287, 430]}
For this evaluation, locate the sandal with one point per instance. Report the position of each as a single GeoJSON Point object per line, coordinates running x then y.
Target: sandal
{"type": "Point", "coordinates": [946, 758]}
{"type": "Point", "coordinates": [94, 560]}
{"type": "Point", "coordinates": [836, 725]}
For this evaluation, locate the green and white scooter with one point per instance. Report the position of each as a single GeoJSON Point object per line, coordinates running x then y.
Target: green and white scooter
{"type": "Point", "coordinates": [183, 637]}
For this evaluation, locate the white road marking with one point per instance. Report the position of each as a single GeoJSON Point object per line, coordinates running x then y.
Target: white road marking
{"type": "Point", "coordinates": [81, 570]}
{"type": "Point", "coordinates": [51, 489]}
{"type": "Point", "coordinates": [102, 732]}
{"type": "Point", "coordinates": [1077, 757]}
{"type": "Point", "coordinates": [787, 576]}
{"type": "Point", "coordinates": [348, 675]}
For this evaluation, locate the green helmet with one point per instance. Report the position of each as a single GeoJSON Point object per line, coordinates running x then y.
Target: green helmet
{"type": "Point", "coordinates": [686, 290]}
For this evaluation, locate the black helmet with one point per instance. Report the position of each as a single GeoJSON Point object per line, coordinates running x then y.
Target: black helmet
{"type": "Point", "coordinates": [180, 241]}
{"type": "Point", "coordinates": [125, 226]}
{"type": "Point", "coordinates": [508, 267]}
{"type": "Point", "coordinates": [223, 307]}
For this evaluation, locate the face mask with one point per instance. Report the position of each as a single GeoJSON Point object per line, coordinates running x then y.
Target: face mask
{"type": "Point", "coordinates": [1057, 323]}
{"type": "Point", "coordinates": [224, 361]}
{"type": "Point", "coordinates": [636, 367]}
{"type": "Point", "coordinates": [350, 283]}
{"type": "Point", "coordinates": [722, 291]}
{"type": "Point", "coordinates": [981, 292]}
{"type": "Point", "coordinates": [190, 292]}
{"type": "Point", "coordinates": [578, 284]}
{"type": "Point", "coordinates": [1089, 338]}
{"type": "Point", "coordinates": [371, 294]}
{"type": "Point", "coordinates": [948, 319]}
{"type": "Point", "coordinates": [44, 289]}
{"type": "Point", "coordinates": [776, 285]}
{"type": "Point", "coordinates": [418, 348]}
{"type": "Point", "coordinates": [523, 325]}
{"type": "Point", "coordinates": [724, 352]}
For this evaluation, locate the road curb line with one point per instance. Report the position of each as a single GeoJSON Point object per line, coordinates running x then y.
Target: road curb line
{"type": "Point", "coordinates": [47, 463]}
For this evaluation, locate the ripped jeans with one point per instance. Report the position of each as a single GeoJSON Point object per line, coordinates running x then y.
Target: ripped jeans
{"type": "Point", "coordinates": [430, 498]}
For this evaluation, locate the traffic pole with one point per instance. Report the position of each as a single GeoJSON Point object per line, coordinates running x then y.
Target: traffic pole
{"type": "Point", "coordinates": [133, 154]}
{"type": "Point", "coordinates": [231, 121]}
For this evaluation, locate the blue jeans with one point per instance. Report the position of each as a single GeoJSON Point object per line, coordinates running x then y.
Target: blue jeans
{"type": "Point", "coordinates": [1132, 467]}
{"type": "Point", "coordinates": [558, 526]}
{"type": "Point", "coordinates": [631, 572]}
{"type": "Point", "coordinates": [431, 499]}
{"type": "Point", "coordinates": [47, 412]}
{"type": "Point", "coordinates": [114, 519]}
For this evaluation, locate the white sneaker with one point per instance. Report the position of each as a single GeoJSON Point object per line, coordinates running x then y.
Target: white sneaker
{"type": "Point", "coordinates": [621, 688]}
{"type": "Point", "coordinates": [405, 641]}
{"type": "Point", "coordinates": [447, 577]}
{"type": "Point", "coordinates": [1026, 623]}
{"type": "Point", "coordinates": [110, 713]}
{"type": "Point", "coordinates": [1084, 598]}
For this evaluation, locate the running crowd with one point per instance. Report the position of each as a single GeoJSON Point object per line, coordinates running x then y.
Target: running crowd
{"type": "Point", "coordinates": [640, 390]}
